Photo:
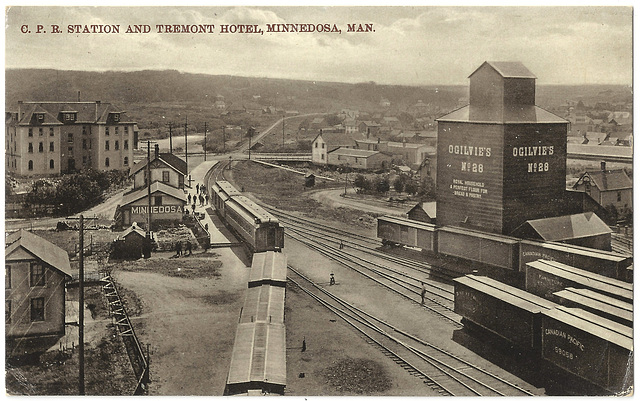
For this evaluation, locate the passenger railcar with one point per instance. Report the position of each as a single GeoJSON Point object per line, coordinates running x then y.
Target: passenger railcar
{"type": "Point", "coordinates": [589, 346]}
{"type": "Point", "coordinates": [221, 192]}
{"type": "Point", "coordinates": [268, 268]}
{"type": "Point", "coordinates": [596, 303]}
{"type": "Point", "coordinates": [506, 311]}
{"type": "Point", "coordinates": [258, 359]}
{"type": "Point", "coordinates": [544, 277]}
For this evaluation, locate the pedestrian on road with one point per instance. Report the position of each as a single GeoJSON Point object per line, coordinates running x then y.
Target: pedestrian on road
{"type": "Point", "coordinates": [193, 207]}
{"type": "Point", "coordinates": [341, 245]}
{"type": "Point", "coordinates": [197, 188]}
{"type": "Point", "coordinates": [332, 280]}
{"type": "Point", "coordinates": [206, 227]}
{"type": "Point", "coordinates": [423, 293]}
{"type": "Point", "coordinates": [206, 199]}
{"type": "Point", "coordinates": [189, 198]}
{"type": "Point", "coordinates": [178, 248]}
{"type": "Point", "coordinates": [201, 199]}
{"type": "Point", "coordinates": [188, 249]}
{"type": "Point", "coordinates": [304, 344]}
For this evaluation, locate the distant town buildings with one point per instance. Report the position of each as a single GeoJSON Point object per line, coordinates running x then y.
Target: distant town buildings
{"type": "Point", "coordinates": [50, 138]}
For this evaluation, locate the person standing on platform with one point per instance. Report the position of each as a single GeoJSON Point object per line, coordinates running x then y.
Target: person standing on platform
{"type": "Point", "coordinates": [423, 293]}
{"type": "Point", "coordinates": [189, 198]}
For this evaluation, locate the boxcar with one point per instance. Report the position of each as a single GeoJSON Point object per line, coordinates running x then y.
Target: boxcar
{"type": "Point", "coordinates": [589, 346]}
{"type": "Point", "coordinates": [544, 277]}
{"type": "Point", "coordinates": [258, 359]}
{"type": "Point", "coordinates": [398, 230]}
{"type": "Point", "coordinates": [221, 192]}
{"type": "Point", "coordinates": [491, 249]}
{"type": "Point", "coordinates": [506, 311]}
{"type": "Point", "coordinates": [263, 304]}
{"type": "Point", "coordinates": [268, 268]}
{"type": "Point", "coordinates": [608, 264]}
{"type": "Point", "coordinates": [596, 303]}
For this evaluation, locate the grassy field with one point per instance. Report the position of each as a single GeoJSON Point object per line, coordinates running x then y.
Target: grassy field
{"type": "Point", "coordinates": [285, 190]}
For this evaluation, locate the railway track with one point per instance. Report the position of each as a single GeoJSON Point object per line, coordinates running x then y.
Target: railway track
{"type": "Point", "coordinates": [439, 369]}
{"type": "Point", "coordinates": [439, 298]}
{"type": "Point", "coordinates": [360, 242]}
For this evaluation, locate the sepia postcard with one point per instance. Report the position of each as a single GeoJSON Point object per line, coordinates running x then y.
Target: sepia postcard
{"type": "Point", "coordinates": [327, 200]}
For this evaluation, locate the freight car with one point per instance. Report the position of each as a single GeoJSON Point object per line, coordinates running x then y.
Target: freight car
{"type": "Point", "coordinates": [506, 311]}
{"type": "Point", "coordinates": [398, 230]}
{"type": "Point", "coordinates": [544, 277]}
{"type": "Point", "coordinates": [589, 346]}
{"type": "Point", "coordinates": [258, 359]}
{"type": "Point", "coordinates": [596, 303]}
{"type": "Point", "coordinates": [499, 251]}
{"type": "Point", "coordinates": [260, 230]}
{"type": "Point", "coordinates": [268, 268]}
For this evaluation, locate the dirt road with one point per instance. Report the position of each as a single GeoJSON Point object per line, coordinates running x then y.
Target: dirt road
{"type": "Point", "coordinates": [190, 325]}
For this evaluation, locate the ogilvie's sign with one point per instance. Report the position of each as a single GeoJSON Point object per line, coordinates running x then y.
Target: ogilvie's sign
{"type": "Point", "coordinates": [156, 209]}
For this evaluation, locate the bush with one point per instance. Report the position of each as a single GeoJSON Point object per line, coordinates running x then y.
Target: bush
{"type": "Point", "coordinates": [362, 182]}
{"type": "Point", "coordinates": [382, 185]}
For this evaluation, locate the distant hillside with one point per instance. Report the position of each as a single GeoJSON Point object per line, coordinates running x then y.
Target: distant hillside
{"type": "Point", "coordinates": [149, 95]}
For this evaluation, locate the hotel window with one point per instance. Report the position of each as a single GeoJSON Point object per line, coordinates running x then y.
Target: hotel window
{"type": "Point", "coordinates": [125, 161]}
{"type": "Point", "coordinates": [30, 131]}
{"type": "Point", "coordinates": [316, 144]}
{"type": "Point", "coordinates": [40, 117]}
{"type": "Point", "coordinates": [116, 117]}
{"type": "Point", "coordinates": [106, 162]}
{"type": "Point", "coordinates": [51, 164]}
{"type": "Point", "coordinates": [165, 176]}
{"type": "Point", "coordinates": [30, 165]}
{"type": "Point", "coordinates": [126, 130]}
{"type": "Point", "coordinates": [84, 130]}
{"type": "Point", "coordinates": [40, 132]}
{"type": "Point", "coordinates": [41, 147]}
{"type": "Point", "coordinates": [30, 147]}
{"type": "Point", "coordinates": [37, 309]}
{"type": "Point", "coordinates": [117, 145]}
{"type": "Point", "coordinates": [84, 144]}
{"type": "Point", "coordinates": [51, 133]}
{"type": "Point", "coordinates": [126, 144]}
{"type": "Point", "coordinates": [117, 131]}
{"type": "Point", "coordinates": [7, 312]}
{"type": "Point", "coordinates": [70, 138]}
{"type": "Point", "coordinates": [69, 117]}
{"type": "Point", "coordinates": [106, 131]}
{"type": "Point", "coordinates": [106, 145]}
{"type": "Point", "coordinates": [7, 277]}
{"type": "Point", "coordinates": [619, 196]}
{"type": "Point", "coordinates": [37, 274]}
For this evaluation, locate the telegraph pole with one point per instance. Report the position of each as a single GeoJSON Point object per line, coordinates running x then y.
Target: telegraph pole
{"type": "Point", "coordinates": [224, 140]}
{"type": "Point", "coordinates": [149, 189]}
{"type": "Point", "coordinates": [283, 130]}
{"type": "Point", "coordinates": [81, 311]}
{"type": "Point", "coordinates": [186, 153]}
{"type": "Point", "coordinates": [250, 135]}
{"type": "Point", "coordinates": [205, 141]}
{"type": "Point", "coordinates": [170, 137]}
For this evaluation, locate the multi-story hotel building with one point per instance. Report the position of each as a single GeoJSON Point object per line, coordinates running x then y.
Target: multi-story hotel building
{"type": "Point", "coordinates": [50, 138]}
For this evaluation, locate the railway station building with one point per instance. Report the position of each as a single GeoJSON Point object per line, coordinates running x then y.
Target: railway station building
{"type": "Point", "coordinates": [36, 272]}
{"type": "Point", "coordinates": [50, 138]}
{"type": "Point", "coordinates": [167, 203]}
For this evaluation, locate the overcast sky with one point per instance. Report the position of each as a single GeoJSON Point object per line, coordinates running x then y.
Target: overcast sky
{"type": "Point", "coordinates": [410, 45]}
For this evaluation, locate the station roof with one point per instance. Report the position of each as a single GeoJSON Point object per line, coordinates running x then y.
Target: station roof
{"type": "Point", "coordinates": [572, 226]}
{"type": "Point", "coordinates": [157, 186]}
{"type": "Point", "coordinates": [169, 159]}
{"type": "Point", "coordinates": [40, 248]}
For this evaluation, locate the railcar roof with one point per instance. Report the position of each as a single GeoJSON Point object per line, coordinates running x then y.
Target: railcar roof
{"type": "Point", "coordinates": [408, 222]}
{"type": "Point", "coordinates": [264, 303]}
{"type": "Point", "coordinates": [268, 266]}
{"type": "Point", "coordinates": [593, 324]}
{"type": "Point", "coordinates": [227, 188]}
{"type": "Point", "coordinates": [583, 277]}
{"type": "Point", "coordinates": [512, 295]}
{"type": "Point", "coordinates": [590, 252]}
{"type": "Point", "coordinates": [255, 209]}
{"type": "Point", "coordinates": [595, 301]}
{"type": "Point", "coordinates": [490, 236]}
{"type": "Point", "coordinates": [259, 354]}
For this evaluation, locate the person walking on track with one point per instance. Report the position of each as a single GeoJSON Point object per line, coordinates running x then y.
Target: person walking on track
{"type": "Point", "coordinates": [423, 292]}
